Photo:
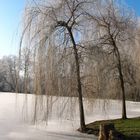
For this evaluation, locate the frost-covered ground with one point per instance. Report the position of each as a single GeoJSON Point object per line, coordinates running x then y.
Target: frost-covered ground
{"type": "Point", "coordinates": [12, 114]}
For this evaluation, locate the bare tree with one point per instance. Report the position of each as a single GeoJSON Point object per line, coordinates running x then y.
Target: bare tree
{"type": "Point", "coordinates": [115, 26]}
{"type": "Point", "coordinates": [57, 24]}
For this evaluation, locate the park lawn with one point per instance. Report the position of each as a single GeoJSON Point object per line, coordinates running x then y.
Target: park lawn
{"type": "Point", "coordinates": [129, 127]}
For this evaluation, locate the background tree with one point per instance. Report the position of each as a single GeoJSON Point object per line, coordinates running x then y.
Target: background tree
{"type": "Point", "coordinates": [114, 28]}
{"type": "Point", "coordinates": [8, 71]}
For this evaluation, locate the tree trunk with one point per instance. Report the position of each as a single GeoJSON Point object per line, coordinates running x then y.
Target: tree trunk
{"type": "Point", "coordinates": [119, 66]}
{"type": "Point", "coordinates": [123, 90]}
{"type": "Point", "coordinates": [81, 108]}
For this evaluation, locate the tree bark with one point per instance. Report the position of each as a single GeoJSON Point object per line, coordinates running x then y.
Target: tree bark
{"type": "Point", "coordinates": [79, 87]}
{"type": "Point", "coordinates": [124, 116]}
{"type": "Point", "coordinates": [119, 66]}
{"type": "Point", "coordinates": [80, 96]}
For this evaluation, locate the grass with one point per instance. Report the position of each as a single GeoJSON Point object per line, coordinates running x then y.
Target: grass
{"type": "Point", "coordinates": [129, 127]}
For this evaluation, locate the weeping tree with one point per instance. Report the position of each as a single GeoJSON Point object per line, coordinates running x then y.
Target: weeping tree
{"type": "Point", "coordinates": [115, 26]}
{"type": "Point", "coordinates": [49, 26]}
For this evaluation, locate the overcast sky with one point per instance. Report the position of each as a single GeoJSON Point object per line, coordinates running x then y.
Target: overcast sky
{"type": "Point", "coordinates": [10, 21]}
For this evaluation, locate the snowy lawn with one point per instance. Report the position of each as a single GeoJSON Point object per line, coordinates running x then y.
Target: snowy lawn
{"type": "Point", "coordinates": [12, 114]}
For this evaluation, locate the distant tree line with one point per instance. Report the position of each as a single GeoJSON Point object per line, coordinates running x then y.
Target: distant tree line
{"type": "Point", "coordinates": [9, 74]}
{"type": "Point", "coordinates": [8, 69]}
